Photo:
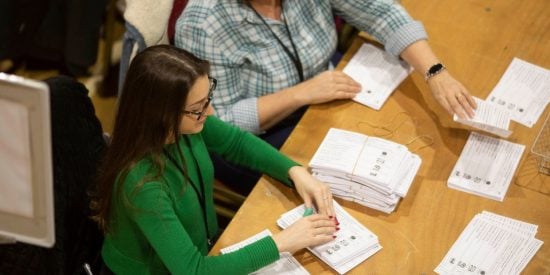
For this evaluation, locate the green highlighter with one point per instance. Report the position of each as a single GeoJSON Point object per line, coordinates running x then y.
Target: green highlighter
{"type": "Point", "coordinates": [308, 211]}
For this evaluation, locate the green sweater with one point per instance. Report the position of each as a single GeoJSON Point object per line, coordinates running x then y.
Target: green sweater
{"type": "Point", "coordinates": [158, 227]}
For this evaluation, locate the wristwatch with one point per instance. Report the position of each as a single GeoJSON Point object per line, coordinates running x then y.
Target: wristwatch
{"type": "Point", "coordinates": [434, 70]}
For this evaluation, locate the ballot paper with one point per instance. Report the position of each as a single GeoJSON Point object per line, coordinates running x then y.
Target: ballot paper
{"type": "Point", "coordinates": [285, 265]}
{"type": "Point", "coordinates": [378, 72]}
{"type": "Point", "coordinates": [524, 90]}
{"type": "Point", "coordinates": [491, 244]}
{"type": "Point", "coordinates": [371, 171]}
{"type": "Point", "coordinates": [486, 166]}
{"type": "Point", "coordinates": [489, 117]}
{"type": "Point", "coordinates": [354, 243]}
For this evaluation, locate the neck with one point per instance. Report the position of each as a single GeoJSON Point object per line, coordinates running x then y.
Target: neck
{"type": "Point", "coordinates": [268, 8]}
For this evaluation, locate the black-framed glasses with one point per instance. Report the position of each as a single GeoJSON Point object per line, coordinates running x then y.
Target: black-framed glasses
{"type": "Point", "coordinates": [213, 84]}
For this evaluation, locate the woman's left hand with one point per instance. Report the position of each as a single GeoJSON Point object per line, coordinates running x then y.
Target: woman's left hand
{"type": "Point", "coordinates": [312, 190]}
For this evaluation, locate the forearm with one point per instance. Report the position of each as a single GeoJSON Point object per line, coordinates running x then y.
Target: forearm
{"type": "Point", "coordinates": [275, 107]}
{"type": "Point", "coordinates": [420, 56]}
{"type": "Point", "coordinates": [449, 92]}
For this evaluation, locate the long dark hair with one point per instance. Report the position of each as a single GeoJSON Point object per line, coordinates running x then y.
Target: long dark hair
{"type": "Point", "coordinates": [149, 112]}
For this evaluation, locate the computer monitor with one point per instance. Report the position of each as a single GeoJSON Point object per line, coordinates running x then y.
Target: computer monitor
{"type": "Point", "coordinates": [26, 188]}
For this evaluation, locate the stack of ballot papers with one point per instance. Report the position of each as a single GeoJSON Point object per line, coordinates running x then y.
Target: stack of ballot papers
{"type": "Point", "coordinates": [491, 244]}
{"type": "Point", "coordinates": [354, 243]}
{"type": "Point", "coordinates": [285, 265]}
{"type": "Point", "coordinates": [486, 166]}
{"type": "Point", "coordinates": [371, 171]}
{"type": "Point", "coordinates": [378, 72]}
{"type": "Point", "coordinates": [489, 117]}
{"type": "Point", "coordinates": [523, 90]}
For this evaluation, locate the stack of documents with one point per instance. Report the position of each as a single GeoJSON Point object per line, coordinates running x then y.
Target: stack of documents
{"type": "Point", "coordinates": [524, 90]}
{"type": "Point", "coordinates": [491, 244]}
{"type": "Point", "coordinates": [489, 117]}
{"type": "Point", "coordinates": [486, 166]}
{"type": "Point", "coordinates": [379, 74]}
{"type": "Point", "coordinates": [371, 171]}
{"type": "Point", "coordinates": [285, 265]}
{"type": "Point", "coordinates": [354, 243]}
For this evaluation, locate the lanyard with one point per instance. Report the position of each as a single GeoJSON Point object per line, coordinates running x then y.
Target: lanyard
{"type": "Point", "coordinates": [295, 59]}
{"type": "Point", "coordinates": [201, 194]}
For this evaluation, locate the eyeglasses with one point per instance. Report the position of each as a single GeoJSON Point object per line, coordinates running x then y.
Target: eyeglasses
{"type": "Point", "coordinates": [213, 84]}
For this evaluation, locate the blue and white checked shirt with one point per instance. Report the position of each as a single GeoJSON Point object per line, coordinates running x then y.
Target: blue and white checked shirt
{"type": "Point", "coordinates": [249, 62]}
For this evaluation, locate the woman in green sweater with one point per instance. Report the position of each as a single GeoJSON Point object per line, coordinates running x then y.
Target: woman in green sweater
{"type": "Point", "coordinates": [154, 196]}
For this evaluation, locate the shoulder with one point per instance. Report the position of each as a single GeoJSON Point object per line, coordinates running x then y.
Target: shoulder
{"type": "Point", "coordinates": [214, 126]}
{"type": "Point", "coordinates": [212, 16]}
{"type": "Point", "coordinates": [142, 174]}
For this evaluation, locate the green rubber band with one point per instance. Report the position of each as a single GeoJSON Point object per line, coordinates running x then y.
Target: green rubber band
{"type": "Point", "coordinates": [308, 212]}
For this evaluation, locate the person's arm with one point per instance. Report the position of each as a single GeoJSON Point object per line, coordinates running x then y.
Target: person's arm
{"type": "Point", "coordinates": [402, 36]}
{"type": "Point", "coordinates": [325, 87]}
{"type": "Point", "coordinates": [449, 92]}
{"type": "Point", "coordinates": [155, 217]}
{"type": "Point", "coordinates": [245, 149]}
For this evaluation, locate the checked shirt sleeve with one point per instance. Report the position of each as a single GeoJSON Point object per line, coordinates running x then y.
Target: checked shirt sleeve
{"type": "Point", "coordinates": [386, 20]}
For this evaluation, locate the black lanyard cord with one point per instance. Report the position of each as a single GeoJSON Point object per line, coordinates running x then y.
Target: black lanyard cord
{"type": "Point", "coordinates": [201, 195]}
{"type": "Point", "coordinates": [295, 59]}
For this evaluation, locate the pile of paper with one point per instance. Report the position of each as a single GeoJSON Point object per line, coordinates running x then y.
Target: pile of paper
{"type": "Point", "coordinates": [489, 117]}
{"type": "Point", "coordinates": [378, 72]}
{"type": "Point", "coordinates": [486, 166]}
{"type": "Point", "coordinates": [521, 95]}
{"type": "Point", "coordinates": [285, 265]}
{"type": "Point", "coordinates": [371, 171]}
{"type": "Point", "coordinates": [491, 244]}
{"type": "Point", "coordinates": [354, 243]}
{"type": "Point", "coordinates": [523, 90]}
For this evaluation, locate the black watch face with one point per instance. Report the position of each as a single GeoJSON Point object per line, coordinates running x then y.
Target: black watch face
{"type": "Point", "coordinates": [435, 68]}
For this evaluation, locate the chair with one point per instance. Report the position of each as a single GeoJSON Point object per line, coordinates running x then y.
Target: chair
{"type": "Point", "coordinates": [77, 145]}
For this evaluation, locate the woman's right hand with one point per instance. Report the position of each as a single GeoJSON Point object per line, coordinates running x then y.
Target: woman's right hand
{"type": "Point", "coordinates": [327, 86]}
{"type": "Point", "coordinates": [308, 231]}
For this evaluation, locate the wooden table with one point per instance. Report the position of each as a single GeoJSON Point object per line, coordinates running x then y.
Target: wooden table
{"type": "Point", "coordinates": [477, 41]}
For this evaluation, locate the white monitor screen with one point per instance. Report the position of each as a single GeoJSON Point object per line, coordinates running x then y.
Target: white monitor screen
{"type": "Point", "coordinates": [26, 189]}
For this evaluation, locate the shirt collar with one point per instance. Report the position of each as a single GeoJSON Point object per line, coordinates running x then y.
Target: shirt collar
{"type": "Point", "coordinates": [247, 14]}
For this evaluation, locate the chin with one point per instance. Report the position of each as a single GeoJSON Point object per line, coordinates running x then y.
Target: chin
{"type": "Point", "coordinates": [195, 130]}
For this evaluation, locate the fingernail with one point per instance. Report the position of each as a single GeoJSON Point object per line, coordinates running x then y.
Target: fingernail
{"type": "Point", "coordinates": [334, 236]}
{"type": "Point", "coordinates": [336, 219]}
{"type": "Point", "coordinates": [330, 217]}
{"type": "Point", "coordinates": [337, 228]}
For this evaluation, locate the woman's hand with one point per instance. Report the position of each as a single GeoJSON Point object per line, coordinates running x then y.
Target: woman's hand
{"type": "Point", "coordinates": [325, 87]}
{"type": "Point", "coordinates": [309, 231]}
{"type": "Point", "coordinates": [452, 95]}
{"type": "Point", "coordinates": [312, 190]}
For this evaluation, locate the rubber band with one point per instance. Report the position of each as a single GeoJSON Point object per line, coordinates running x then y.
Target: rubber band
{"type": "Point", "coordinates": [426, 137]}
{"type": "Point", "coordinates": [390, 128]}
